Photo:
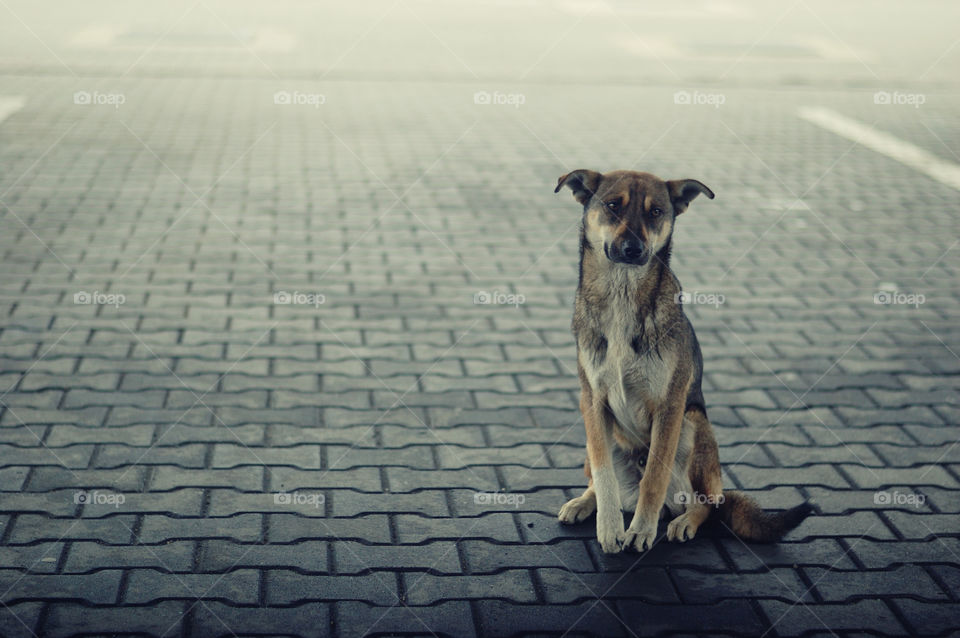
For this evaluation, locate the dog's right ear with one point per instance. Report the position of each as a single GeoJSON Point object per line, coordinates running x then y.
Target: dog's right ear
{"type": "Point", "coordinates": [582, 182]}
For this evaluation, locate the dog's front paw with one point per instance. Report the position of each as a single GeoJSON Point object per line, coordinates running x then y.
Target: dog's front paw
{"type": "Point", "coordinates": [681, 529]}
{"type": "Point", "coordinates": [641, 534]}
{"type": "Point", "coordinates": [610, 532]}
{"type": "Point", "coordinates": [576, 510]}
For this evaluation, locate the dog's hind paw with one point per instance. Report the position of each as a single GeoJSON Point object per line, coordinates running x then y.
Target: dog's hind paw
{"type": "Point", "coordinates": [576, 510]}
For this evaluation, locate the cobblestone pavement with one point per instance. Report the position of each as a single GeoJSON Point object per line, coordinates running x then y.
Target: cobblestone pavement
{"type": "Point", "coordinates": [292, 357]}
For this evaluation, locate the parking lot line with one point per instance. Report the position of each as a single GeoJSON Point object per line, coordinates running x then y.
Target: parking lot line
{"type": "Point", "coordinates": [893, 147]}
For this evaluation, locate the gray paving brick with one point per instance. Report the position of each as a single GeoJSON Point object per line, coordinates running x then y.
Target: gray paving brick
{"type": "Point", "coordinates": [812, 474]}
{"type": "Point", "coordinates": [221, 556]}
{"type": "Point", "coordinates": [698, 588]}
{"type": "Point", "coordinates": [41, 558]}
{"type": "Point", "coordinates": [417, 529]}
{"type": "Point", "coordinates": [159, 529]}
{"type": "Point", "coordinates": [57, 503]}
{"type": "Point", "coordinates": [28, 528]}
{"type": "Point", "coordinates": [286, 528]}
{"type": "Point", "coordinates": [344, 457]}
{"type": "Point", "coordinates": [892, 434]}
{"type": "Point", "coordinates": [824, 552]}
{"type": "Point", "coordinates": [183, 456]}
{"type": "Point", "coordinates": [173, 434]}
{"type": "Point", "coordinates": [884, 555]}
{"type": "Point", "coordinates": [62, 435]}
{"type": "Point", "coordinates": [855, 524]}
{"type": "Point", "coordinates": [14, 477]}
{"type": "Point", "coordinates": [428, 589]}
{"type": "Point", "coordinates": [928, 474]}
{"type": "Point", "coordinates": [430, 503]}
{"type": "Point", "coordinates": [245, 478]}
{"type": "Point", "coordinates": [90, 398]}
{"type": "Point", "coordinates": [915, 526]}
{"type": "Point", "coordinates": [285, 587]}
{"type": "Point", "coordinates": [218, 619]}
{"type": "Point", "coordinates": [228, 455]}
{"type": "Point", "coordinates": [44, 416]}
{"type": "Point", "coordinates": [97, 588]}
{"type": "Point", "coordinates": [366, 479]}
{"type": "Point", "coordinates": [864, 615]}
{"type": "Point", "coordinates": [499, 618]}
{"type": "Point", "coordinates": [928, 619]}
{"type": "Point", "coordinates": [446, 619]}
{"type": "Point", "coordinates": [522, 479]}
{"type": "Point", "coordinates": [41, 381]}
{"type": "Point", "coordinates": [842, 586]}
{"type": "Point", "coordinates": [149, 586]}
{"type": "Point", "coordinates": [440, 557]}
{"type": "Point", "coordinates": [475, 478]}
{"type": "Point", "coordinates": [86, 556]}
{"type": "Point", "coordinates": [64, 618]}
{"type": "Point", "coordinates": [397, 436]}
{"type": "Point", "coordinates": [647, 584]}
{"type": "Point", "coordinates": [19, 620]}
{"type": "Point", "coordinates": [73, 457]}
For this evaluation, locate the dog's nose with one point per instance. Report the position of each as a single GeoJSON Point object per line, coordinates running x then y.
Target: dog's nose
{"type": "Point", "coordinates": [632, 249]}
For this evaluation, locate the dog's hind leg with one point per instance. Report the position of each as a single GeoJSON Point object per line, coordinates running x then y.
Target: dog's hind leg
{"type": "Point", "coordinates": [580, 508]}
{"type": "Point", "coordinates": [706, 480]}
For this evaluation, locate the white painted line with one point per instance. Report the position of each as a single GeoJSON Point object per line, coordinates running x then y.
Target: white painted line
{"type": "Point", "coordinates": [904, 152]}
{"type": "Point", "coordinates": [10, 104]}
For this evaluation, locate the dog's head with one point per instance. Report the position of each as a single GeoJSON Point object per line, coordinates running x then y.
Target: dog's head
{"type": "Point", "coordinates": [630, 214]}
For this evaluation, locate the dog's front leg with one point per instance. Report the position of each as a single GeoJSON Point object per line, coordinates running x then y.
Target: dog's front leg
{"type": "Point", "coordinates": [599, 426]}
{"type": "Point", "coordinates": [667, 424]}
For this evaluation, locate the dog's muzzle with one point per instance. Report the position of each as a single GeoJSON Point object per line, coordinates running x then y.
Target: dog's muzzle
{"type": "Point", "coordinates": [628, 251]}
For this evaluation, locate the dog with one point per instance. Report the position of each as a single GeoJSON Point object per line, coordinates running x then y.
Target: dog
{"type": "Point", "coordinates": [640, 370]}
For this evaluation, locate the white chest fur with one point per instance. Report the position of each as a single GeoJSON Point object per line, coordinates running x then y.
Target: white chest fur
{"type": "Point", "coordinates": [632, 374]}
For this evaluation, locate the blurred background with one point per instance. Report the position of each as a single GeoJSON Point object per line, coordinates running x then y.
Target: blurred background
{"type": "Point", "coordinates": [738, 43]}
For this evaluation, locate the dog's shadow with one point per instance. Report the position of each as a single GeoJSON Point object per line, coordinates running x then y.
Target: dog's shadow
{"type": "Point", "coordinates": [663, 552]}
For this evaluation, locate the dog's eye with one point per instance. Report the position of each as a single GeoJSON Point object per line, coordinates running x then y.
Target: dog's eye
{"type": "Point", "coordinates": [613, 206]}
{"type": "Point", "coordinates": [656, 212]}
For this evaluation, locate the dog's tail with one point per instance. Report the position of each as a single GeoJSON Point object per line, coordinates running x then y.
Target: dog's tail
{"type": "Point", "coordinates": [747, 520]}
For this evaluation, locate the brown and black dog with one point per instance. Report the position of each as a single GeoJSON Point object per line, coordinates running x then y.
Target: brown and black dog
{"type": "Point", "coordinates": [640, 368]}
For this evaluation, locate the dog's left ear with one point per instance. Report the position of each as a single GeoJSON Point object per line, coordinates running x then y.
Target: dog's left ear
{"type": "Point", "coordinates": [583, 182]}
{"type": "Point", "coordinates": [684, 191]}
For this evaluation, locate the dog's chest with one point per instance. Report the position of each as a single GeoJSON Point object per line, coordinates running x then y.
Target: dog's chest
{"type": "Point", "coordinates": [625, 366]}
